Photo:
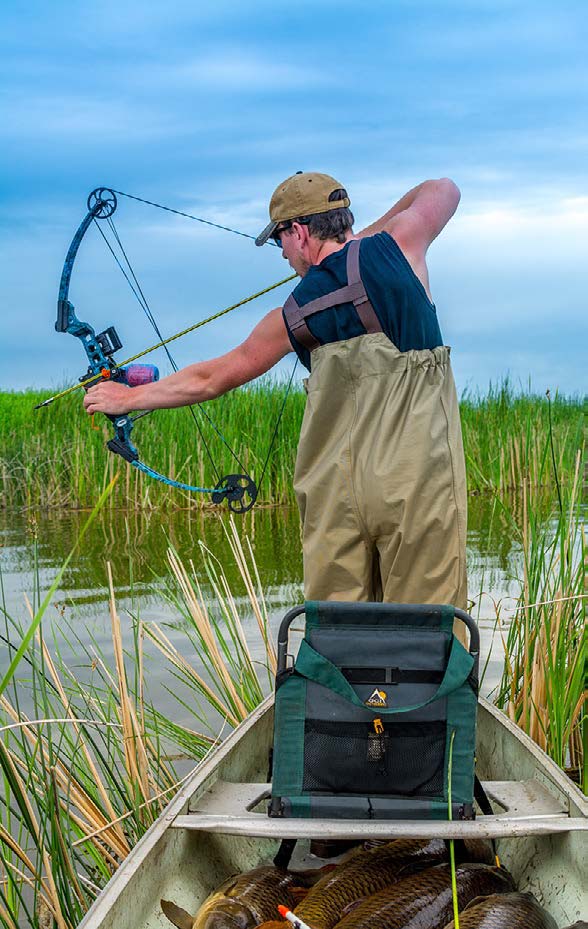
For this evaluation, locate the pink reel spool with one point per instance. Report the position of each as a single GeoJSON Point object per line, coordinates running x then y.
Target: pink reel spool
{"type": "Point", "coordinates": [136, 375]}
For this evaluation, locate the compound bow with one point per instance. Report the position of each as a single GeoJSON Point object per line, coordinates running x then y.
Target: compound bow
{"type": "Point", "coordinates": [239, 490]}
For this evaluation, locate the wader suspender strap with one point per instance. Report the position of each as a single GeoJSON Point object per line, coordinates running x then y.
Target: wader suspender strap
{"type": "Point", "coordinates": [362, 305]}
{"type": "Point", "coordinates": [354, 292]}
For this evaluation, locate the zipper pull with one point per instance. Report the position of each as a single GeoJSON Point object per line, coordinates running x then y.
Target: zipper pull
{"type": "Point", "coordinates": [376, 742]}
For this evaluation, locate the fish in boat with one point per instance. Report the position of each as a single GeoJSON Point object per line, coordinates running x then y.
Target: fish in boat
{"type": "Point", "coordinates": [469, 851]}
{"type": "Point", "coordinates": [368, 870]}
{"type": "Point", "coordinates": [424, 900]}
{"type": "Point", "coordinates": [505, 911]}
{"type": "Point", "coordinates": [363, 871]}
{"type": "Point", "coordinates": [243, 901]}
{"type": "Point", "coordinates": [466, 850]}
{"type": "Point", "coordinates": [373, 866]}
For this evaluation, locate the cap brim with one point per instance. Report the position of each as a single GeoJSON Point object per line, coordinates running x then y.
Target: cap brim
{"type": "Point", "coordinates": [266, 234]}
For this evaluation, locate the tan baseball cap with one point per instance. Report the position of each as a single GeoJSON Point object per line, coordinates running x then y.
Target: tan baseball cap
{"type": "Point", "coordinates": [303, 194]}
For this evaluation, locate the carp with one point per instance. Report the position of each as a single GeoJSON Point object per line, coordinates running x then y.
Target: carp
{"type": "Point", "coordinates": [371, 867]}
{"type": "Point", "coordinates": [364, 872]}
{"type": "Point", "coordinates": [505, 911]}
{"type": "Point", "coordinates": [424, 900]}
{"type": "Point", "coordinates": [243, 901]}
{"type": "Point", "coordinates": [466, 850]}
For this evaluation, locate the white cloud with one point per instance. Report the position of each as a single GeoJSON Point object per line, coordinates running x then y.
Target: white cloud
{"type": "Point", "coordinates": [521, 232]}
{"type": "Point", "coordinates": [234, 70]}
{"type": "Point", "coordinates": [50, 116]}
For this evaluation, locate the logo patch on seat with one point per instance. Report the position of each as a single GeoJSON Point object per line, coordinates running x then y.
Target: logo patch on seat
{"type": "Point", "coordinates": [378, 698]}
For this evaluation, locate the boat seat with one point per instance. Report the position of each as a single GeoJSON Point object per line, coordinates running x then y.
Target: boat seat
{"type": "Point", "coordinates": [521, 808]}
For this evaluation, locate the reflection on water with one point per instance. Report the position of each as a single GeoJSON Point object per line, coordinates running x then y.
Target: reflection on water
{"type": "Point", "coordinates": [136, 546]}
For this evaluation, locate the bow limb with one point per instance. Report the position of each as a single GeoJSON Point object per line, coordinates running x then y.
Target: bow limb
{"type": "Point", "coordinates": [239, 490]}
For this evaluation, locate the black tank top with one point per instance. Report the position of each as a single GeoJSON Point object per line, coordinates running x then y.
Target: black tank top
{"type": "Point", "coordinates": [399, 300]}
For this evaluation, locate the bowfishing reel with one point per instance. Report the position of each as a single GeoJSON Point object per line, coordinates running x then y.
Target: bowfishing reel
{"type": "Point", "coordinates": [239, 490]}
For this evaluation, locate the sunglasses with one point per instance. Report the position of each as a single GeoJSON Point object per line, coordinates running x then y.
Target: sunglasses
{"type": "Point", "coordinates": [276, 236]}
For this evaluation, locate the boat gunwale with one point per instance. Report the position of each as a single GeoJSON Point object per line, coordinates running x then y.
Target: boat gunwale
{"type": "Point", "coordinates": [545, 764]}
{"type": "Point", "coordinates": [136, 857]}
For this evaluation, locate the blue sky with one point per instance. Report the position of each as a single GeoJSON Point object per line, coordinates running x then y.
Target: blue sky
{"type": "Point", "coordinates": [207, 106]}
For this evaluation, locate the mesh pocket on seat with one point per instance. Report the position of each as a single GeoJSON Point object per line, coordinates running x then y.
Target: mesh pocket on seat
{"type": "Point", "coordinates": [406, 759]}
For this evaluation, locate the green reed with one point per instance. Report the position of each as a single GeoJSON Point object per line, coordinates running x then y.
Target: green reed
{"type": "Point", "coordinates": [54, 458]}
{"type": "Point", "coordinates": [85, 763]}
{"type": "Point", "coordinates": [505, 434]}
{"type": "Point", "coordinates": [83, 775]}
{"type": "Point", "coordinates": [544, 683]}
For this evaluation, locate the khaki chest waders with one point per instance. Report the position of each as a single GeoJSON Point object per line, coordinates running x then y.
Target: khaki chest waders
{"type": "Point", "coordinates": [380, 472]}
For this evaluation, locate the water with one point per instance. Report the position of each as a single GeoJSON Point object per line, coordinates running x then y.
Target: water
{"type": "Point", "coordinates": [136, 547]}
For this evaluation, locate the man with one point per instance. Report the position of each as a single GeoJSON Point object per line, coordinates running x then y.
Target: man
{"type": "Point", "coordinates": [380, 473]}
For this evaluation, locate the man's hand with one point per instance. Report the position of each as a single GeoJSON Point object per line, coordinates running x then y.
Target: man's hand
{"type": "Point", "coordinates": [109, 397]}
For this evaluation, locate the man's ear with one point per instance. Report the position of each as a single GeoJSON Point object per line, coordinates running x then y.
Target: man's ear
{"type": "Point", "coordinates": [301, 232]}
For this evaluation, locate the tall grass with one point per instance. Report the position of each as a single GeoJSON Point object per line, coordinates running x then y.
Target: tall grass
{"type": "Point", "coordinates": [505, 434]}
{"type": "Point", "coordinates": [54, 458]}
{"type": "Point", "coordinates": [83, 773]}
{"type": "Point", "coordinates": [235, 682]}
{"type": "Point", "coordinates": [85, 756]}
{"type": "Point", "coordinates": [545, 679]}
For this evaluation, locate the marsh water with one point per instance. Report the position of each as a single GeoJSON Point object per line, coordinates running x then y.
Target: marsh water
{"type": "Point", "coordinates": [33, 546]}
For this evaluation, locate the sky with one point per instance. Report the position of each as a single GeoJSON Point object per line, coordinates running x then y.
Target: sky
{"type": "Point", "coordinates": [205, 107]}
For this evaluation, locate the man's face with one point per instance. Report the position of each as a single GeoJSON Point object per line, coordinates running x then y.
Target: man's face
{"type": "Point", "coordinates": [292, 237]}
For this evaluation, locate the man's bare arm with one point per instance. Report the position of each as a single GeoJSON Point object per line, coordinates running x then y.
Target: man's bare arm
{"type": "Point", "coordinates": [419, 216]}
{"type": "Point", "coordinates": [205, 380]}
